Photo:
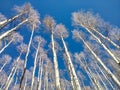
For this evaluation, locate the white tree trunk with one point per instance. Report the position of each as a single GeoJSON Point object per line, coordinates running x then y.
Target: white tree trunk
{"type": "Point", "coordinates": [103, 45]}
{"type": "Point", "coordinates": [5, 22]}
{"type": "Point", "coordinates": [100, 61]}
{"type": "Point", "coordinates": [3, 66]}
{"type": "Point", "coordinates": [34, 68]}
{"type": "Point", "coordinates": [40, 76]}
{"type": "Point", "coordinates": [13, 29]}
{"type": "Point", "coordinates": [85, 67]}
{"type": "Point", "coordinates": [26, 58]}
{"type": "Point", "coordinates": [6, 46]}
{"type": "Point", "coordinates": [106, 77]}
{"type": "Point", "coordinates": [76, 81]}
{"type": "Point", "coordinates": [57, 77]}
{"type": "Point", "coordinates": [114, 44]}
{"type": "Point", "coordinates": [25, 84]}
{"type": "Point", "coordinates": [12, 74]}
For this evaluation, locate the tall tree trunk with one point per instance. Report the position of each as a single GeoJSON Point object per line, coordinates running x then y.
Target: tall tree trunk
{"type": "Point", "coordinates": [6, 46]}
{"type": "Point", "coordinates": [13, 29]}
{"type": "Point", "coordinates": [11, 79]}
{"type": "Point", "coordinates": [34, 68]}
{"type": "Point", "coordinates": [106, 38]}
{"type": "Point", "coordinates": [26, 58]}
{"type": "Point", "coordinates": [102, 64]}
{"type": "Point", "coordinates": [103, 45]}
{"type": "Point", "coordinates": [12, 74]}
{"type": "Point", "coordinates": [105, 77]}
{"type": "Point", "coordinates": [24, 88]}
{"type": "Point", "coordinates": [40, 75]}
{"type": "Point", "coordinates": [75, 79]}
{"type": "Point", "coordinates": [3, 66]}
{"type": "Point", "coordinates": [86, 68]}
{"type": "Point", "coordinates": [5, 22]}
{"type": "Point", "coordinates": [99, 77]}
{"type": "Point", "coordinates": [57, 77]}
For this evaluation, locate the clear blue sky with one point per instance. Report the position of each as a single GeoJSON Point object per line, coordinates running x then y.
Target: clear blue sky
{"type": "Point", "coordinates": [109, 10]}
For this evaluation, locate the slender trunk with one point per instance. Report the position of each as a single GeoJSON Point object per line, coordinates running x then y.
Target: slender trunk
{"type": "Point", "coordinates": [4, 23]}
{"type": "Point", "coordinates": [96, 84]}
{"type": "Point", "coordinates": [40, 76]}
{"type": "Point", "coordinates": [106, 38]}
{"type": "Point", "coordinates": [25, 84]}
{"type": "Point", "coordinates": [103, 45]}
{"type": "Point", "coordinates": [104, 85]}
{"type": "Point", "coordinates": [11, 79]}
{"type": "Point", "coordinates": [106, 77]}
{"type": "Point", "coordinates": [11, 75]}
{"type": "Point", "coordinates": [103, 65]}
{"type": "Point", "coordinates": [6, 46]}
{"type": "Point", "coordinates": [13, 29]}
{"type": "Point", "coordinates": [75, 79]}
{"type": "Point", "coordinates": [26, 59]}
{"type": "Point", "coordinates": [57, 77]}
{"type": "Point", "coordinates": [34, 68]}
{"type": "Point", "coordinates": [86, 68]}
{"type": "Point", "coordinates": [3, 66]}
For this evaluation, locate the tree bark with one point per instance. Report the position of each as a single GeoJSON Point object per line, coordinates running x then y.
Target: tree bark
{"type": "Point", "coordinates": [4, 23]}
{"type": "Point", "coordinates": [13, 29]}
{"type": "Point", "coordinates": [75, 79]}
{"type": "Point", "coordinates": [57, 77]}
{"type": "Point", "coordinates": [26, 58]}
{"type": "Point", "coordinates": [103, 65]}
{"type": "Point", "coordinates": [103, 45]}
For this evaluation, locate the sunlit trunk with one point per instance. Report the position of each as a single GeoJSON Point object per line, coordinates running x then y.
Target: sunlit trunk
{"type": "Point", "coordinates": [100, 79]}
{"type": "Point", "coordinates": [106, 77]}
{"type": "Point", "coordinates": [5, 22]}
{"type": "Point", "coordinates": [86, 68]}
{"type": "Point", "coordinates": [12, 74]}
{"type": "Point", "coordinates": [103, 65]}
{"type": "Point", "coordinates": [114, 44]}
{"type": "Point", "coordinates": [24, 88]}
{"type": "Point", "coordinates": [3, 66]}
{"type": "Point", "coordinates": [34, 68]}
{"type": "Point", "coordinates": [103, 45]}
{"type": "Point", "coordinates": [26, 58]}
{"type": "Point", "coordinates": [13, 29]}
{"type": "Point", "coordinates": [11, 79]}
{"type": "Point", "coordinates": [40, 75]}
{"type": "Point", "coordinates": [70, 65]}
{"type": "Point", "coordinates": [6, 46]}
{"type": "Point", "coordinates": [57, 77]}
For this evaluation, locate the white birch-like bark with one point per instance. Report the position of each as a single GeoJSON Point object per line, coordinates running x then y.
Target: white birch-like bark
{"type": "Point", "coordinates": [12, 74]}
{"type": "Point", "coordinates": [25, 84]}
{"type": "Point", "coordinates": [40, 75]}
{"type": "Point", "coordinates": [106, 77]}
{"type": "Point", "coordinates": [3, 66]}
{"type": "Point", "coordinates": [11, 79]}
{"type": "Point", "coordinates": [103, 65]}
{"type": "Point", "coordinates": [34, 68]}
{"type": "Point", "coordinates": [13, 29]}
{"type": "Point", "coordinates": [103, 45]}
{"type": "Point", "coordinates": [101, 79]}
{"type": "Point", "coordinates": [86, 68]}
{"type": "Point", "coordinates": [57, 77]}
{"type": "Point", "coordinates": [6, 46]}
{"type": "Point", "coordinates": [75, 79]}
{"type": "Point", "coordinates": [106, 38]}
{"type": "Point", "coordinates": [5, 22]}
{"type": "Point", "coordinates": [26, 58]}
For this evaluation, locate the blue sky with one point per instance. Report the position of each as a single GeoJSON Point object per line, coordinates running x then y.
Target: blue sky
{"type": "Point", "coordinates": [61, 11]}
